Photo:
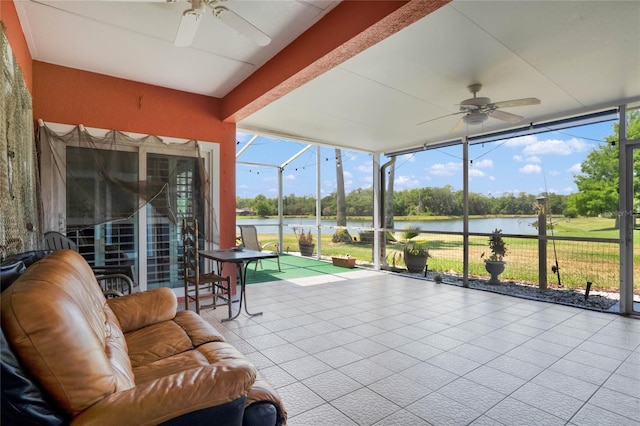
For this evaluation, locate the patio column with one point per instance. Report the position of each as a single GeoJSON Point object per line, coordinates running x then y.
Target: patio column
{"type": "Point", "coordinates": [280, 208]}
{"type": "Point", "coordinates": [625, 213]}
{"type": "Point", "coordinates": [465, 212]}
{"type": "Point", "coordinates": [377, 191]}
{"type": "Point", "coordinates": [318, 201]}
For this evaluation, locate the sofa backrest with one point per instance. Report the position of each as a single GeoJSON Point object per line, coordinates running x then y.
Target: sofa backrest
{"type": "Point", "coordinates": [62, 330]}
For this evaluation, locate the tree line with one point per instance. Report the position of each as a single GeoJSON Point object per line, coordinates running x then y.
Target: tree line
{"type": "Point", "coordinates": [428, 201]}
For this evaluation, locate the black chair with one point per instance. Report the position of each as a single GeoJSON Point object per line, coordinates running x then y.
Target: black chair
{"type": "Point", "coordinates": [115, 285]}
{"type": "Point", "coordinates": [54, 240]}
{"type": "Point", "coordinates": [115, 269]}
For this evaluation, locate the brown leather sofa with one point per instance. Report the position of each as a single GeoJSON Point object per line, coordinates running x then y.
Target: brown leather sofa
{"type": "Point", "coordinates": [132, 360]}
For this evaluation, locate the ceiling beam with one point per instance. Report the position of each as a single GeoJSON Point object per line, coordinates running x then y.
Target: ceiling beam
{"type": "Point", "coordinates": [345, 31]}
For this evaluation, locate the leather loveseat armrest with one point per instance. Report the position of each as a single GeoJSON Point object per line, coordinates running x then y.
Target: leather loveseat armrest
{"type": "Point", "coordinates": [139, 310]}
{"type": "Point", "coordinates": [172, 396]}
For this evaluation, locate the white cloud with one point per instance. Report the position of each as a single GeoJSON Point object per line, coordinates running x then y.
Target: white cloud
{"type": "Point", "coordinates": [555, 147]}
{"type": "Point", "coordinates": [492, 178]}
{"type": "Point", "coordinates": [554, 173]}
{"type": "Point", "coordinates": [290, 177]}
{"type": "Point", "coordinates": [347, 174]}
{"type": "Point", "coordinates": [530, 168]}
{"type": "Point", "coordinates": [534, 147]}
{"type": "Point", "coordinates": [485, 164]}
{"type": "Point", "coordinates": [406, 182]}
{"type": "Point", "coordinates": [521, 141]}
{"type": "Point", "coordinates": [576, 169]}
{"type": "Point", "coordinates": [448, 169]}
{"type": "Point", "coordinates": [476, 173]}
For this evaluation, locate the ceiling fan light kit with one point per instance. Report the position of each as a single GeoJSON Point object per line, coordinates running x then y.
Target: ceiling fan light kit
{"type": "Point", "coordinates": [475, 118]}
{"type": "Point", "coordinates": [477, 109]}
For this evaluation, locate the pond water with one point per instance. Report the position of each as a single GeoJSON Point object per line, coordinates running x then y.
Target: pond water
{"type": "Point", "coordinates": [509, 225]}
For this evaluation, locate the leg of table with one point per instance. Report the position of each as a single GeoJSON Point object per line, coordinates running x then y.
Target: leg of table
{"type": "Point", "coordinates": [243, 283]}
{"type": "Point", "coordinates": [240, 299]}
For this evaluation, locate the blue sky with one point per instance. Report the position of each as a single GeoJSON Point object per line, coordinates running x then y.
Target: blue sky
{"type": "Point", "coordinates": [531, 164]}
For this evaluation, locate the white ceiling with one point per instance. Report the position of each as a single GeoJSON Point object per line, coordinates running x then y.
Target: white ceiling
{"type": "Point", "coordinates": [134, 39]}
{"type": "Point", "coordinates": [577, 57]}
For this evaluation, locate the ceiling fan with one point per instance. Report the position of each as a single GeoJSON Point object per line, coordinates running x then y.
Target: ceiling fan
{"type": "Point", "coordinates": [477, 109]}
{"type": "Point", "coordinates": [191, 20]}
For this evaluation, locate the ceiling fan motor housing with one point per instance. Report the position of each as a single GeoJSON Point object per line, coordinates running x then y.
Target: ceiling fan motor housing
{"type": "Point", "coordinates": [475, 102]}
{"type": "Point", "coordinates": [475, 118]}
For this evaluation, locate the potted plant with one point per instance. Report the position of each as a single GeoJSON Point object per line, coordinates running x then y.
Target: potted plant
{"type": "Point", "coordinates": [415, 255]}
{"type": "Point", "coordinates": [494, 263]}
{"type": "Point", "coordinates": [414, 252]}
{"type": "Point", "coordinates": [305, 242]}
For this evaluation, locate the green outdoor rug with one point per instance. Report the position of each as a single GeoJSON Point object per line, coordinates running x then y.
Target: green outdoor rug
{"type": "Point", "coordinates": [292, 267]}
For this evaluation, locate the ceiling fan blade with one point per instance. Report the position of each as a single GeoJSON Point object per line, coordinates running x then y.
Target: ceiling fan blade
{"type": "Point", "coordinates": [244, 27]}
{"type": "Point", "coordinates": [188, 27]}
{"type": "Point", "coordinates": [438, 118]}
{"type": "Point", "coordinates": [506, 116]}
{"type": "Point", "coordinates": [517, 102]}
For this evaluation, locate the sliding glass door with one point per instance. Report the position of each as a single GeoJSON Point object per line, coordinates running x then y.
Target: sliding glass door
{"type": "Point", "coordinates": [123, 202]}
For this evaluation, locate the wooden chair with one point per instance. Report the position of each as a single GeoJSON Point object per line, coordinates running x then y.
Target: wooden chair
{"type": "Point", "coordinates": [199, 285]}
{"type": "Point", "coordinates": [249, 236]}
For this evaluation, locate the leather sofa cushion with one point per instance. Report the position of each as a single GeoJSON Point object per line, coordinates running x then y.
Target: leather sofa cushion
{"type": "Point", "coordinates": [214, 353]}
{"type": "Point", "coordinates": [185, 332]}
{"type": "Point", "coordinates": [156, 342]}
{"type": "Point", "coordinates": [197, 328]}
{"type": "Point", "coordinates": [139, 310]}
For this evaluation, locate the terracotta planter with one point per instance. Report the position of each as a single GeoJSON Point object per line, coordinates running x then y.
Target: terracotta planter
{"type": "Point", "coordinates": [495, 268]}
{"type": "Point", "coordinates": [345, 262]}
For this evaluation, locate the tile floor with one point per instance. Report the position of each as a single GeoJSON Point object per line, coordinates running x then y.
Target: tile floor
{"type": "Point", "coordinates": [373, 348]}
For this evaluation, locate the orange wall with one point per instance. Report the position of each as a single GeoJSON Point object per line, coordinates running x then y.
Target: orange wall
{"type": "Point", "coordinates": [71, 96]}
{"type": "Point", "coordinates": [9, 18]}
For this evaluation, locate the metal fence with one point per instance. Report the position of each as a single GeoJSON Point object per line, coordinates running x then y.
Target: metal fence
{"type": "Point", "coordinates": [569, 262]}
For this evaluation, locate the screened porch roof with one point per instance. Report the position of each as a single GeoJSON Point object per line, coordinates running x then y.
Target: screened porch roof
{"type": "Point", "coordinates": [361, 75]}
